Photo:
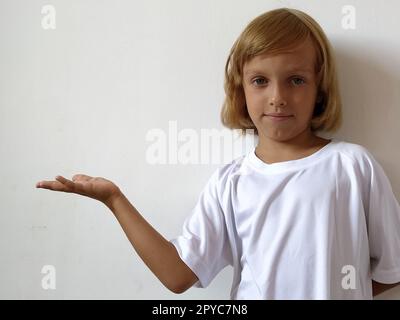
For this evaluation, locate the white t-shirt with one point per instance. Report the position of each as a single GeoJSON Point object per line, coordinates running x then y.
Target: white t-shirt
{"type": "Point", "coordinates": [320, 227]}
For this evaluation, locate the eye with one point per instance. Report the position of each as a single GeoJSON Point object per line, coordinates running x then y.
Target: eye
{"type": "Point", "coordinates": [257, 81]}
{"type": "Point", "coordinates": [298, 81]}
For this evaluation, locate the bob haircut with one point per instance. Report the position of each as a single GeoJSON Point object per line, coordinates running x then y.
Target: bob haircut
{"type": "Point", "coordinates": [274, 32]}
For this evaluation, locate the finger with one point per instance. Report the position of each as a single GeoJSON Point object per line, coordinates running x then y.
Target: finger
{"type": "Point", "coordinates": [52, 185]}
{"type": "Point", "coordinates": [75, 187]}
{"type": "Point", "coordinates": [70, 184]}
{"type": "Point", "coordinates": [81, 177]}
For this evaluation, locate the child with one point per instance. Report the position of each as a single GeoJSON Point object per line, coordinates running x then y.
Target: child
{"type": "Point", "coordinates": [300, 216]}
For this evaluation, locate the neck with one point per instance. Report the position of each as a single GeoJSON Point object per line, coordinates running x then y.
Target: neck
{"type": "Point", "coordinates": [274, 150]}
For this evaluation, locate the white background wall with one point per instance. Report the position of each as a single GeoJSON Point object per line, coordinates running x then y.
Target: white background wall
{"type": "Point", "coordinates": [81, 98]}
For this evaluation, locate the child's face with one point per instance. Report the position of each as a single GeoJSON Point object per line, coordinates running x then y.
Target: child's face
{"type": "Point", "coordinates": [284, 83]}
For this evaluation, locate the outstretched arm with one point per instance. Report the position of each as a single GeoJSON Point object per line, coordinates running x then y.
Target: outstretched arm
{"type": "Point", "coordinates": [158, 254]}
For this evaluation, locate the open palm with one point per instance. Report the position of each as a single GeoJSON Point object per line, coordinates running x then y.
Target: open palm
{"type": "Point", "coordinates": [93, 187]}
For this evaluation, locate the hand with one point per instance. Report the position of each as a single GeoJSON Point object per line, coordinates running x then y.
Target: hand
{"type": "Point", "coordinates": [96, 188]}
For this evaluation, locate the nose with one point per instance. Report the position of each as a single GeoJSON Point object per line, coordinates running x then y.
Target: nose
{"type": "Point", "coordinates": [280, 103]}
{"type": "Point", "coordinates": [277, 98]}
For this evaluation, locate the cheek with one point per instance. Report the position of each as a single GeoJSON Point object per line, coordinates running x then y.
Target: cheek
{"type": "Point", "coordinates": [305, 98]}
{"type": "Point", "coordinates": [303, 94]}
{"type": "Point", "coordinates": [255, 98]}
{"type": "Point", "coordinates": [255, 106]}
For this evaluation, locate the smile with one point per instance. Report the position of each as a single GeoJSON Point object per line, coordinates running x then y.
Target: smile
{"type": "Point", "coordinates": [279, 118]}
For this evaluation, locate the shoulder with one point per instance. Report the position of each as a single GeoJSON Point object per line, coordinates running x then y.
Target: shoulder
{"type": "Point", "coordinates": [221, 179]}
{"type": "Point", "coordinates": [358, 156]}
{"type": "Point", "coordinates": [224, 173]}
{"type": "Point", "coordinates": [353, 151]}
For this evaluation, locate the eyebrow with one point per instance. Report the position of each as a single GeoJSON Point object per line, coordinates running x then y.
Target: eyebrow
{"type": "Point", "coordinates": [294, 70]}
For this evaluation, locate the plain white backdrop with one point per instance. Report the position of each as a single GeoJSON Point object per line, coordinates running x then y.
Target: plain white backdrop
{"type": "Point", "coordinates": [81, 98]}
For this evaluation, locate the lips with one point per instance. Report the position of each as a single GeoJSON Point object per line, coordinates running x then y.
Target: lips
{"type": "Point", "coordinates": [278, 118]}
{"type": "Point", "coordinates": [279, 115]}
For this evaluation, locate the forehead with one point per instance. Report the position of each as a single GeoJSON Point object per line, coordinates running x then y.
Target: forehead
{"type": "Point", "coordinates": [301, 58]}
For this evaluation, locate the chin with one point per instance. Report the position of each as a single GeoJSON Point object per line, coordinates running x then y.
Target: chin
{"type": "Point", "coordinates": [277, 135]}
{"type": "Point", "coordinates": [280, 138]}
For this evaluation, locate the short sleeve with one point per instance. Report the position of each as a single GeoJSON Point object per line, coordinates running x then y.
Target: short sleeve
{"type": "Point", "coordinates": [204, 244]}
{"type": "Point", "coordinates": [383, 226]}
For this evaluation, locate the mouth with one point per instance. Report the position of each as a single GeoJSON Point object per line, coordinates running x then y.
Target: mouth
{"type": "Point", "coordinates": [278, 118]}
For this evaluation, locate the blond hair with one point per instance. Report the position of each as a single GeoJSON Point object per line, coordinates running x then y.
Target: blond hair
{"type": "Point", "coordinates": [274, 32]}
